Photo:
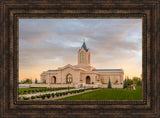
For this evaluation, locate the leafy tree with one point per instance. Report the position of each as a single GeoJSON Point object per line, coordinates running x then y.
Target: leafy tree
{"type": "Point", "coordinates": [27, 81]}
{"type": "Point", "coordinates": [129, 82]}
{"type": "Point", "coordinates": [139, 83]}
{"type": "Point", "coordinates": [136, 80]}
{"type": "Point", "coordinates": [109, 84]}
{"type": "Point", "coordinates": [125, 84]}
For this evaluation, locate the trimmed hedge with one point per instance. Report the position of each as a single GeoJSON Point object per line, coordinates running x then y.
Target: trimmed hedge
{"type": "Point", "coordinates": [22, 91]}
{"type": "Point", "coordinates": [43, 96]}
{"type": "Point", "coordinates": [33, 97]}
{"type": "Point", "coordinates": [38, 96]}
{"type": "Point", "coordinates": [48, 95]}
{"type": "Point", "coordinates": [25, 98]}
{"type": "Point", "coordinates": [56, 94]}
{"type": "Point", "coordinates": [53, 95]}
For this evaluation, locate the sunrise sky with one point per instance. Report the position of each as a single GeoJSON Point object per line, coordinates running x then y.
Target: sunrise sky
{"type": "Point", "coordinates": [46, 44]}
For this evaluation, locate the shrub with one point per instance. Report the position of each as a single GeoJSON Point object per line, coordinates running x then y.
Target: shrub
{"type": "Point", "coordinates": [33, 91]}
{"type": "Point", "coordinates": [43, 96]}
{"type": "Point", "coordinates": [57, 94]}
{"type": "Point", "coordinates": [38, 96]}
{"type": "Point", "coordinates": [33, 97]}
{"type": "Point", "coordinates": [29, 91]}
{"type": "Point", "coordinates": [64, 93]}
{"type": "Point", "coordinates": [61, 94]}
{"type": "Point", "coordinates": [19, 98]}
{"type": "Point", "coordinates": [52, 94]}
{"type": "Point", "coordinates": [25, 98]}
{"type": "Point", "coordinates": [48, 95]}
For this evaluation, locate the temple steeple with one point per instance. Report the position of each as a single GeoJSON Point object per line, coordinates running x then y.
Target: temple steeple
{"type": "Point", "coordinates": [84, 54]}
{"type": "Point", "coordinates": [84, 45]}
{"type": "Point", "coordinates": [83, 39]}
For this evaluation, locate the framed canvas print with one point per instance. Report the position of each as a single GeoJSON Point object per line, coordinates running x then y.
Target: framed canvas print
{"type": "Point", "coordinates": [79, 58]}
{"type": "Point", "coordinates": [58, 42]}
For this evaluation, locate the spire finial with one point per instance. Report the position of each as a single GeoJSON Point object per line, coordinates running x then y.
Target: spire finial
{"type": "Point", "coordinates": [83, 39]}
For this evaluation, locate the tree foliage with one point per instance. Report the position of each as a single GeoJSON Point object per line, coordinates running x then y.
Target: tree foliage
{"type": "Point", "coordinates": [36, 81]}
{"type": "Point", "coordinates": [134, 80]}
{"type": "Point", "coordinates": [109, 84]}
{"type": "Point", "coordinates": [125, 84]}
{"type": "Point", "coordinates": [26, 81]}
{"type": "Point", "coordinates": [129, 82]}
{"type": "Point", "coordinates": [137, 80]}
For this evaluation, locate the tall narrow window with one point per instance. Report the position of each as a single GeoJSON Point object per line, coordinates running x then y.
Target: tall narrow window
{"type": "Point", "coordinates": [82, 57]}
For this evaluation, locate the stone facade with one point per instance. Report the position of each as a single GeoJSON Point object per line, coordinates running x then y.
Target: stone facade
{"type": "Point", "coordinates": [83, 74]}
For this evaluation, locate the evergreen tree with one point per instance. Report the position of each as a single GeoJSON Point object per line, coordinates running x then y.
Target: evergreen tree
{"type": "Point", "coordinates": [125, 84]}
{"type": "Point", "coordinates": [109, 84]}
{"type": "Point", "coordinates": [36, 81]}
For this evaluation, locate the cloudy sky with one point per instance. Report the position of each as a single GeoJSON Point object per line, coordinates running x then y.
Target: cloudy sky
{"type": "Point", "coordinates": [46, 44]}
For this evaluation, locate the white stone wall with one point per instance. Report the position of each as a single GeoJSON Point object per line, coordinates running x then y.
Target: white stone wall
{"type": "Point", "coordinates": [63, 74]}
{"type": "Point", "coordinates": [78, 74]}
{"type": "Point", "coordinates": [113, 76]}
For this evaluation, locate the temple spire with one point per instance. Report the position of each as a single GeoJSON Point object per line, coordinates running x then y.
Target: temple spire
{"type": "Point", "coordinates": [84, 45]}
{"type": "Point", "coordinates": [84, 54]}
{"type": "Point", "coordinates": [83, 39]}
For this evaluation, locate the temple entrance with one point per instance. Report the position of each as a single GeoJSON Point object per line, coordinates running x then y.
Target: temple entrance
{"type": "Point", "coordinates": [88, 80]}
{"type": "Point", "coordinates": [53, 79]}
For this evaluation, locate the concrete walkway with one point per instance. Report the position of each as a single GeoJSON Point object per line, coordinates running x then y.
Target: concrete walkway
{"type": "Point", "coordinates": [29, 95]}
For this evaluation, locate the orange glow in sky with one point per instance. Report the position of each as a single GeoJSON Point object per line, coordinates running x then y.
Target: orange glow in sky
{"type": "Point", "coordinates": [46, 44]}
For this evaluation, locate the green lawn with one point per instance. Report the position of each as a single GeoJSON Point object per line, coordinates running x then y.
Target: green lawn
{"type": "Point", "coordinates": [109, 94]}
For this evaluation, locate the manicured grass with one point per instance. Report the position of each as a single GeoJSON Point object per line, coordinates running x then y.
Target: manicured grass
{"type": "Point", "coordinates": [109, 94]}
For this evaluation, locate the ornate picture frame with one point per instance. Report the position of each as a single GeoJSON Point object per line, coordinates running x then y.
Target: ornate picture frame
{"type": "Point", "coordinates": [12, 10]}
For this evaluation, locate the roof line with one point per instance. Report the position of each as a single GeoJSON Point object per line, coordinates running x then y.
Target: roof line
{"type": "Point", "coordinates": [52, 70]}
{"type": "Point", "coordinates": [107, 70]}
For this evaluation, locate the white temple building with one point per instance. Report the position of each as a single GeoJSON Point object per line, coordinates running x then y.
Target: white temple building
{"type": "Point", "coordinates": [83, 74]}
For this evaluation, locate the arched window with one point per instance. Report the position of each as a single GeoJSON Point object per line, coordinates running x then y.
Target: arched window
{"type": "Point", "coordinates": [82, 59]}
{"type": "Point", "coordinates": [69, 78]}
